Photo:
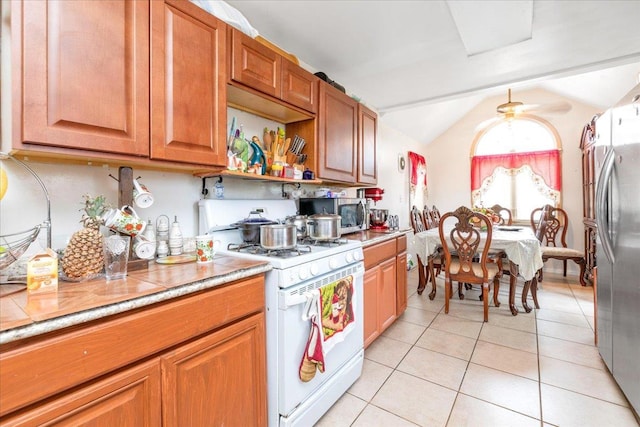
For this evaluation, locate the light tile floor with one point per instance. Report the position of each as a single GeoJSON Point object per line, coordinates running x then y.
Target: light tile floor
{"type": "Point", "coordinates": [535, 369]}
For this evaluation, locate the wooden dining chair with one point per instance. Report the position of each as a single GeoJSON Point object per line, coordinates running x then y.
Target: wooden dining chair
{"type": "Point", "coordinates": [428, 220]}
{"type": "Point", "coordinates": [504, 213]}
{"type": "Point", "coordinates": [417, 223]}
{"type": "Point", "coordinates": [435, 216]}
{"type": "Point", "coordinates": [426, 268]}
{"type": "Point", "coordinates": [470, 263]}
{"type": "Point", "coordinates": [550, 226]}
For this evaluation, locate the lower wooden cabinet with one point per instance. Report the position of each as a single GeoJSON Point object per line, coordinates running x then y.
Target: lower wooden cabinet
{"type": "Point", "coordinates": [370, 289]}
{"type": "Point", "coordinates": [385, 286]}
{"type": "Point", "coordinates": [194, 361]}
{"type": "Point", "coordinates": [401, 283]}
{"type": "Point", "coordinates": [128, 398]}
{"type": "Point", "coordinates": [217, 380]}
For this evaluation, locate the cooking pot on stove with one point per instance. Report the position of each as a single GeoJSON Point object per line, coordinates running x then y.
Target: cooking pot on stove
{"type": "Point", "coordinates": [278, 236]}
{"type": "Point", "coordinates": [300, 221]}
{"type": "Point", "coordinates": [324, 226]}
{"type": "Point", "coordinates": [250, 227]}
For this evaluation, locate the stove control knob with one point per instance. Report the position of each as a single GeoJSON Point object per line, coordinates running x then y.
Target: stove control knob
{"type": "Point", "coordinates": [304, 273]}
{"type": "Point", "coordinates": [333, 263]}
{"type": "Point", "coordinates": [349, 257]}
{"type": "Point", "coordinates": [357, 255]}
{"type": "Point", "coordinates": [314, 269]}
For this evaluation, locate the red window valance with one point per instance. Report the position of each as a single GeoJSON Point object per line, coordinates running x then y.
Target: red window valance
{"type": "Point", "coordinates": [543, 163]}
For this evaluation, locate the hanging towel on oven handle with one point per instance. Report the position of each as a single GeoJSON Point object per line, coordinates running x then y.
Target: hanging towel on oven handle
{"type": "Point", "coordinates": [313, 357]}
{"type": "Point", "coordinates": [337, 307]}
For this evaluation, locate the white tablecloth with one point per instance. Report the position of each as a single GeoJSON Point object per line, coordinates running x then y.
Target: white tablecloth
{"type": "Point", "coordinates": [519, 243]}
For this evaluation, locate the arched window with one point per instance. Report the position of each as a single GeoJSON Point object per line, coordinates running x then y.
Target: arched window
{"type": "Point", "coordinates": [516, 163]}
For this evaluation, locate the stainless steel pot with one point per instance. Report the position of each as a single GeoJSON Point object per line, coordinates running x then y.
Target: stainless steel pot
{"type": "Point", "coordinates": [300, 221]}
{"type": "Point", "coordinates": [250, 227]}
{"type": "Point", "coordinates": [324, 226]}
{"type": "Point", "coordinates": [278, 236]}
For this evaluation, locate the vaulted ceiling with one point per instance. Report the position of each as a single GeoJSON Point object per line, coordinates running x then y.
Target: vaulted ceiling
{"type": "Point", "coordinates": [437, 58]}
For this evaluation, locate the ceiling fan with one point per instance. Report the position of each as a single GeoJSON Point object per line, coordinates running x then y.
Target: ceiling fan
{"type": "Point", "coordinates": [512, 109]}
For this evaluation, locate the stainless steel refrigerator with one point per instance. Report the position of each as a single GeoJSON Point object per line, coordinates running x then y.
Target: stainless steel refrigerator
{"type": "Point", "coordinates": [617, 163]}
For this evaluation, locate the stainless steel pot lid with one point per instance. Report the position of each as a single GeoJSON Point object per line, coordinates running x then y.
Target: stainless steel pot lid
{"type": "Point", "coordinates": [325, 216]}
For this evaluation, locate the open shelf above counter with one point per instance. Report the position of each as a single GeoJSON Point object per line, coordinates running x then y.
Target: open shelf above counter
{"type": "Point", "coordinates": [251, 176]}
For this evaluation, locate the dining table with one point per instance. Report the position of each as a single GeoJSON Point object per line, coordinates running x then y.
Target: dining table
{"type": "Point", "coordinates": [520, 246]}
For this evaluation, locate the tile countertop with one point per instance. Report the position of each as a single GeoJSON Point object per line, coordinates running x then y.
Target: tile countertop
{"type": "Point", "coordinates": [24, 315]}
{"type": "Point", "coordinates": [369, 237]}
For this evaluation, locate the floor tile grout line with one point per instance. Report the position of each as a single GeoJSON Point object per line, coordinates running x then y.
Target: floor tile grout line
{"type": "Point", "coordinates": [458, 392]}
{"type": "Point", "coordinates": [539, 370]}
{"type": "Point", "coordinates": [466, 369]}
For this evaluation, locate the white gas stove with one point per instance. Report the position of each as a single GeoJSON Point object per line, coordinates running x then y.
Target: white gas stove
{"type": "Point", "coordinates": [290, 289]}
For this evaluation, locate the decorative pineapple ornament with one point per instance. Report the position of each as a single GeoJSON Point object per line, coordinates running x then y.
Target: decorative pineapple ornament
{"type": "Point", "coordinates": [83, 256]}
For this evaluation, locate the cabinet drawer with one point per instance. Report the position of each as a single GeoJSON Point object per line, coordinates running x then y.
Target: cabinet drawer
{"type": "Point", "coordinates": [374, 255]}
{"type": "Point", "coordinates": [86, 352]}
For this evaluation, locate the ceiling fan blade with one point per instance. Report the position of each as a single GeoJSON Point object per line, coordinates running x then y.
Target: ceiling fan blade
{"type": "Point", "coordinates": [485, 124]}
{"type": "Point", "coordinates": [559, 107]}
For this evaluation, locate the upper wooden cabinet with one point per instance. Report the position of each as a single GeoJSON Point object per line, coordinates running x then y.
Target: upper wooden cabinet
{"type": "Point", "coordinates": [347, 137]}
{"type": "Point", "coordinates": [80, 74]}
{"type": "Point", "coordinates": [299, 87]}
{"type": "Point", "coordinates": [258, 67]}
{"type": "Point", "coordinates": [254, 64]}
{"type": "Point", "coordinates": [84, 85]}
{"type": "Point", "coordinates": [188, 84]}
{"type": "Point", "coordinates": [367, 137]}
{"type": "Point", "coordinates": [337, 143]}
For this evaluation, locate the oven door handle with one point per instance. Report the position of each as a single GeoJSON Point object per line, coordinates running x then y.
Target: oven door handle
{"type": "Point", "coordinates": [310, 305]}
{"type": "Point", "coordinates": [309, 299]}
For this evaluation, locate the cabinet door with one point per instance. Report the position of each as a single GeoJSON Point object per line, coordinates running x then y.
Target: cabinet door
{"type": "Point", "coordinates": [188, 84]}
{"type": "Point", "coordinates": [219, 379]}
{"type": "Point", "coordinates": [82, 80]}
{"type": "Point", "coordinates": [387, 294]}
{"type": "Point", "coordinates": [255, 65]}
{"type": "Point", "coordinates": [401, 283]}
{"type": "Point", "coordinates": [370, 289]}
{"type": "Point", "coordinates": [337, 135]}
{"type": "Point", "coordinates": [129, 398]}
{"type": "Point", "coordinates": [367, 136]}
{"type": "Point", "coordinates": [299, 87]}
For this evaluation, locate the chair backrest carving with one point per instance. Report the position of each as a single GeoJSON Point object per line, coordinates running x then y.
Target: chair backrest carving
{"type": "Point", "coordinates": [428, 218]}
{"type": "Point", "coordinates": [504, 213]}
{"type": "Point", "coordinates": [467, 241]}
{"type": "Point", "coordinates": [435, 216]}
{"type": "Point", "coordinates": [416, 220]}
{"type": "Point", "coordinates": [550, 225]}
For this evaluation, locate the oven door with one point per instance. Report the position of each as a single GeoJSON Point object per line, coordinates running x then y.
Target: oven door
{"type": "Point", "coordinates": [293, 335]}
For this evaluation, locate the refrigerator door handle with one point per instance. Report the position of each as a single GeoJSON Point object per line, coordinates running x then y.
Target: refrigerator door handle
{"type": "Point", "coordinates": [602, 208]}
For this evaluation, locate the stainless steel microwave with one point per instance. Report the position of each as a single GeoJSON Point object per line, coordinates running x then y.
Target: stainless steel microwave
{"type": "Point", "coordinates": [352, 211]}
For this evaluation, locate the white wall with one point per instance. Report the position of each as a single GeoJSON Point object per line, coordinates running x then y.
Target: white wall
{"type": "Point", "coordinates": [176, 194]}
{"type": "Point", "coordinates": [448, 159]}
